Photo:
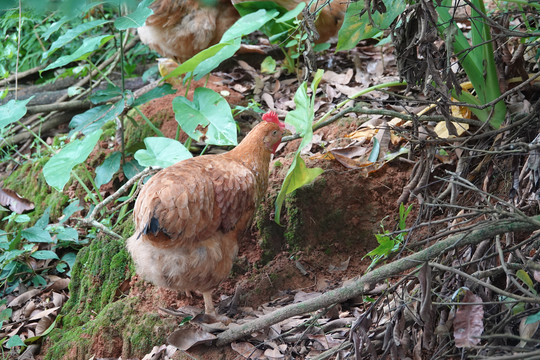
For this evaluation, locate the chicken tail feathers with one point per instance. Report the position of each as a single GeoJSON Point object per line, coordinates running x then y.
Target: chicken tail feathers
{"type": "Point", "coordinates": [155, 233]}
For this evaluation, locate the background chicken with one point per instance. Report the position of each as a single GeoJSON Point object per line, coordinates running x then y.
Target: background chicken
{"type": "Point", "coordinates": [189, 216]}
{"type": "Point", "coordinates": [179, 29]}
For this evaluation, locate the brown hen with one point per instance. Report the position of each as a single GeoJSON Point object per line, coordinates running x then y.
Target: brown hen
{"type": "Point", "coordinates": [179, 29]}
{"type": "Point", "coordinates": [190, 216]}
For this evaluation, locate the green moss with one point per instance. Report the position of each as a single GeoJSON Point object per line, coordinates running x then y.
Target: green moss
{"type": "Point", "coordinates": [294, 232]}
{"type": "Point", "coordinates": [97, 313]}
{"type": "Point", "coordinates": [138, 130]}
{"type": "Point", "coordinates": [270, 233]}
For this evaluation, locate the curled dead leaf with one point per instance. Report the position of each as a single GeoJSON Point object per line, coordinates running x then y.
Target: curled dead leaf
{"type": "Point", "coordinates": [469, 321]}
{"type": "Point", "coordinates": [186, 338]}
{"type": "Point", "coordinates": [24, 297]}
{"type": "Point", "coordinates": [247, 350]}
{"type": "Point", "coordinates": [43, 324]}
{"type": "Point", "coordinates": [14, 201]}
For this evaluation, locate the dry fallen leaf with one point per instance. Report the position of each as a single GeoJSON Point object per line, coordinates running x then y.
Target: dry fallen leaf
{"type": "Point", "coordinates": [24, 297]}
{"type": "Point", "coordinates": [187, 337]}
{"type": "Point", "coordinates": [247, 350]}
{"type": "Point", "coordinates": [469, 321]}
{"type": "Point", "coordinates": [14, 201]}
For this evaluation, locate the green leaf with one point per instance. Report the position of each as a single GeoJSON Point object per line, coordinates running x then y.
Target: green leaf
{"type": "Point", "coordinates": [135, 19]}
{"type": "Point", "coordinates": [44, 219]}
{"type": "Point", "coordinates": [72, 34]}
{"type": "Point", "coordinates": [132, 168]}
{"type": "Point", "coordinates": [191, 64]}
{"type": "Point", "coordinates": [110, 166]}
{"type": "Point", "coordinates": [13, 111]}
{"type": "Point", "coordinates": [89, 45]}
{"type": "Point", "coordinates": [532, 318]}
{"type": "Point", "coordinates": [37, 235]}
{"type": "Point", "coordinates": [105, 95]}
{"type": "Point", "coordinates": [94, 118]}
{"type": "Point", "coordinates": [302, 120]}
{"type": "Point", "coordinates": [354, 30]}
{"type": "Point", "coordinates": [13, 341]}
{"type": "Point", "coordinates": [57, 170]}
{"type": "Point", "coordinates": [157, 92]}
{"type": "Point", "coordinates": [69, 258]}
{"type": "Point", "coordinates": [213, 62]}
{"type": "Point", "coordinates": [292, 14]}
{"type": "Point", "coordinates": [374, 155]}
{"type": "Point", "coordinates": [523, 276]}
{"type": "Point", "coordinates": [268, 66]}
{"type": "Point", "coordinates": [44, 255]}
{"type": "Point", "coordinates": [207, 109]}
{"type": "Point", "coordinates": [162, 152]}
{"type": "Point", "coordinates": [70, 210]}
{"type": "Point", "coordinates": [67, 234]}
{"type": "Point", "coordinates": [248, 24]}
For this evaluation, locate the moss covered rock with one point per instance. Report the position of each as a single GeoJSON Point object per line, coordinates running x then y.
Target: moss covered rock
{"type": "Point", "coordinates": [99, 319]}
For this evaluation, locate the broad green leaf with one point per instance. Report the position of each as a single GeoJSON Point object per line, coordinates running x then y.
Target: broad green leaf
{"type": "Point", "coordinates": [191, 64]}
{"type": "Point", "coordinates": [43, 221]}
{"type": "Point", "coordinates": [110, 166]}
{"type": "Point", "coordinates": [248, 24]}
{"type": "Point", "coordinates": [132, 168]}
{"type": "Point", "coordinates": [354, 30]}
{"type": "Point", "coordinates": [69, 258]}
{"type": "Point", "coordinates": [88, 46]}
{"type": "Point", "coordinates": [13, 111]}
{"type": "Point", "coordinates": [13, 341]}
{"type": "Point", "coordinates": [37, 235]}
{"type": "Point", "coordinates": [94, 118]}
{"type": "Point", "coordinates": [135, 19]}
{"type": "Point", "coordinates": [268, 66]}
{"type": "Point", "coordinates": [533, 318]}
{"type": "Point", "coordinates": [162, 152]}
{"type": "Point", "coordinates": [523, 276]}
{"type": "Point", "coordinates": [207, 109]}
{"type": "Point", "coordinates": [54, 27]}
{"type": "Point", "coordinates": [67, 234]}
{"type": "Point", "coordinates": [105, 95]}
{"type": "Point", "coordinates": [44, 255]}
{"type": "Point", "coordinates": [290, 15]}
{"type": "Point", "coordinates": [70, 210]}
{"type": "Point", "coordinates": [206, 66]}
{"type": "Point", "coordinates": [72, 34]}
{"type": "Point", "coordinates": [57, 170]}
{"type": "Point", "coordinates": [157, 92]}
{"type": "Point", "coordinates": [302, 120]}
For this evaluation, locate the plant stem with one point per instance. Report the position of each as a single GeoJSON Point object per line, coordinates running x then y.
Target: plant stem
{"type": "Point", "coordinates": [88, 192]}
{"type": "Point", "coordinates": [360, 93]}
{"type": "Point", "coordinates": [149, 123]}
{"type": "Point", "coordinates": [94, 185]}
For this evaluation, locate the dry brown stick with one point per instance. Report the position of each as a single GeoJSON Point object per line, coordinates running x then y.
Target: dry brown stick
{"type": "Point", "coordinates": [356, 287]}
{"type": "Point", "coordinates": [21, 75]}
{"type": "Point", "coordinates": [63, 106]}
{"type": "Point", "coordinates": [90, 219]}
{"type": "Point", "coordinates": [479, 282]}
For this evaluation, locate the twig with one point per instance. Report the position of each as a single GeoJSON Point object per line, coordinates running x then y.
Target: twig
{"type": "Point", "coordinates": [21, 75]}
{"type": "Point", "coordinates": [119, 192]}
{"type": "Point", "coordinates": [356, 287]}
{"type": "Point", "coordinates": [484, 284]}
{"type": "Point", "coordinates": [90, 221]}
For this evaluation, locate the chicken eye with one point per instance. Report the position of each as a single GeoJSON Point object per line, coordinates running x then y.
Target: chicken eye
{"type": "Point", "coordinates": [274, 133]}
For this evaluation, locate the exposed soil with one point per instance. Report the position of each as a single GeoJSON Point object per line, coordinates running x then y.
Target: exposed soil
{"type": "Point", "coordinates": [324, 257]}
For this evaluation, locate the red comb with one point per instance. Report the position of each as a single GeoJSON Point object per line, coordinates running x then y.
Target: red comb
{"type": "Point", "coordinates": [272, 117]}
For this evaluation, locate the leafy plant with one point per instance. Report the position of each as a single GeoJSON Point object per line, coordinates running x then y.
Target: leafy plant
{"type": "Point", "coordinates": [302, 120]}
{"type": "Point", "coordinates": [477, 60]}
{"type": "Point", "coordinates": [389, 243]}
